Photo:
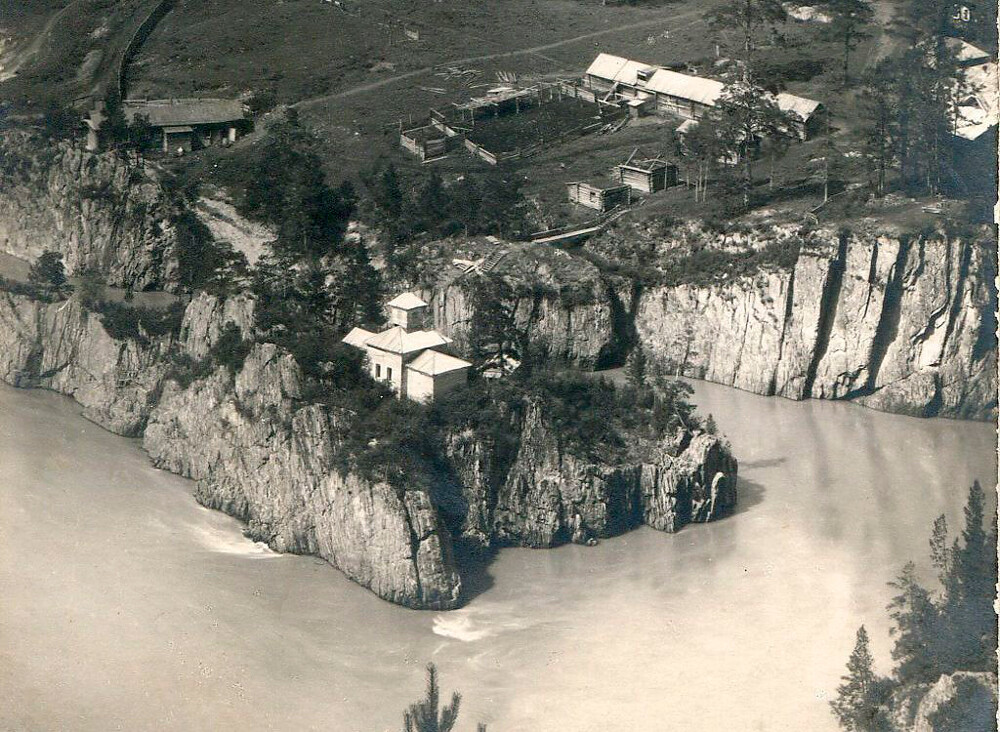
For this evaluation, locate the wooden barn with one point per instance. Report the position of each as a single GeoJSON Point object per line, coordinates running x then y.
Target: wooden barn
{"type": "Point", "coordinates": [806, 115]}
{"type": "Point", "coordinates": [646, 176]}
{"type": "Point", "coordinates": [189, 124]}
{"type": "Point", "coordinates": [599, 199]}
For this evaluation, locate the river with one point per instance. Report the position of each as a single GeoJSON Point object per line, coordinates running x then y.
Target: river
{"type": "Point", "coordinates": [125, 605]}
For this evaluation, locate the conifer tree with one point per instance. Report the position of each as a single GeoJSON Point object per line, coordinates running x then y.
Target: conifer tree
{"type": "Point", "coordinates": [47, 272]}
{"type": "Point", "coordinates": [635, 367]}
{"type": "Point", "coordinates": [848, 21]}
{"type": "Point", "coordinates": [750, 17]}
{"type": "Point", "coordinates": [917, 650]}
{"type": "Point", "coordinates": [747, 114]}
{"type": "Point", "coordinates": [861, 697]}
{"type": "Point", "coordinates": [424, 716]}
{"type": "Point", "coordinates": [968, 617]}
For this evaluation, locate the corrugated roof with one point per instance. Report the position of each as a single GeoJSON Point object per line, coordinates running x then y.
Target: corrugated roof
{"type": "Point", "coordinates": [683, 86]}
{"type": "Point", "coordinates": [433, 363]}
{"type": "Point", "coordinates": [180, 112]}
{"type": "Point", "coordinates": [800, 106]}
{"type": "Point", "coordinates": [407, 301]}
{"type": "Point", "coordinates": [397, 340]}
{"type": "Point", "coordinates": [357, 337]}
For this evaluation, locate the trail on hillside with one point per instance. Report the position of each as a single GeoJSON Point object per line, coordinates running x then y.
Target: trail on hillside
{"type": "Point", "coordinates": [306, 103]}
{"type": "Point", "coordinates": [22, 57]}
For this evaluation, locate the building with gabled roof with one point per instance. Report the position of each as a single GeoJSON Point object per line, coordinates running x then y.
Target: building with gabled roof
{"type": "Point", "coordinates": [684, 95]}
{"type": "Point", "coordinates": [406, 356]}
{"type": "Point", "coordinates": [186, 124]}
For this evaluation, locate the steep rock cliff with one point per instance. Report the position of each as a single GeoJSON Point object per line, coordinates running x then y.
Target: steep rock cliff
{"type": "Point", "coordinates": [895, 322]}
{"type": "Point", "coordinates": [260, 455]}
{"type": "Point", "coordinates": [63, 347]}
{"type": "Point", "coordinates": [100, 211]}
{"type": "Point", "coordinates": [541, 494]}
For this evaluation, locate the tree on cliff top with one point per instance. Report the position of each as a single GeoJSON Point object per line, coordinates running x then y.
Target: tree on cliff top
{"type": "Point", "coordinates": [860, 702]}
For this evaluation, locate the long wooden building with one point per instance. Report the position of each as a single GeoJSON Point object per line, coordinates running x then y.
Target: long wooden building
{"type": "Point", "coordinates": [690, 97]}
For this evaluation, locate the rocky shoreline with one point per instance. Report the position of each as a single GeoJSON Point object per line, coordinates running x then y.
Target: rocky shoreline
{"type": "Point", "coordinates": [259, 452]}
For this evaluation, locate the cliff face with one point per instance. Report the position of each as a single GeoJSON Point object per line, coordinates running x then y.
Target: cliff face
{"type": "Point", "coordinates": [541, 494]}
{"type": "Point", "coordinates": [63, 347]}
{"type": "Point", "coordinates": [97, 210]}
{"type": "Point", "coordinates": [580, 331]}
{"type": "Point", "coordinates": [258, 456]}
{"type": "Point", "coordinates": [899, 325]}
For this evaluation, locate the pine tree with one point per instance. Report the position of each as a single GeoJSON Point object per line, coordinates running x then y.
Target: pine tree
{"type": "Point", "coordinates": [635, 367]}
{"type": "Point", "coordinates": [860, 702]}
{"type": "Point", "coordinates": [493, 329]}
{"type": "Point", "coordinates": [423, 716]}
{"type": "Point", "coordinates": [917, 651]}
{"type": "Point", "coordinates": [47, 272]}
{"type": "Point", "coordinates": [747, 114]}
{"type": "Point", "coordinates": [848, 22]}
{"type": "Point", "coordinates": [750, 17]}
{"type": "Point", "coordinates": [970, 584]}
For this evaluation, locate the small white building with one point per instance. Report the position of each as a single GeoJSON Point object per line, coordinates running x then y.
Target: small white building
{"type": "Point", "coordinates": [406, 357]}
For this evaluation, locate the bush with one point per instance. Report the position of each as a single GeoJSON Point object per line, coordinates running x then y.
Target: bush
{"type": "Point", "coordinates": [230, 350]}
{"type": "Point", "coordinates": [47, 273]}
{"type": "Point", "coordinates": [137, 323]}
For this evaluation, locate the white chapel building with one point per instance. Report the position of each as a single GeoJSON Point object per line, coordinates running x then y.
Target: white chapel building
{"type": "Point", "coordinates": [406, 357]}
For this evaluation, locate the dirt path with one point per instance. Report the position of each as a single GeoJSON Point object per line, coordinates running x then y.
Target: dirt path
{"type": "Point", "coordinates": [885, 12]}
{"type": "Point", "coordinates": [22, 57]}
{"type": "Point", "coordinates": [535, 50]}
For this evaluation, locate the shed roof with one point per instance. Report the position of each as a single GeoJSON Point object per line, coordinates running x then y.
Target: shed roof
{"type": "Point", "coordinates": [407, 301]}
{"type": "Point", "coordinates": [685, 86]}
{"type": "Point", "coordinates": [398, 340]}
{"type": "Point", "coordinates": [801, 107]}
{"type": "Point", "coordinates": [434, 363]}
{"type": "Point", "coordinates": [180, 112]}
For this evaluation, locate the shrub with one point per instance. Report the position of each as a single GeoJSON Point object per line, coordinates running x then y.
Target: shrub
{"type": "Point", "coordinates": [47, 273]}
{"type": "Point", "coordinates": [130, 322]}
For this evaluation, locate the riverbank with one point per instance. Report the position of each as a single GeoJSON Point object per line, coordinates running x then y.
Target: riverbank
{"type": "Point", "coordinates": [128, 604]}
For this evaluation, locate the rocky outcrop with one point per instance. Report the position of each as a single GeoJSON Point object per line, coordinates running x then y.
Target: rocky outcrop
{"type": "Point", "coordinates": [960, 701]}
{"type": "Point", "coordinates": [539, 493]}
{"type": "Point", "coordinates": [260, 455]}
{"type": "Point", "coordinates": [100, 211]}
{"type": "Point", "coordinates": [576, 326]}
{"type": "Point", "coordinates": [63, 347]}
{"type": "Point", "coordinates": [896, 324]}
